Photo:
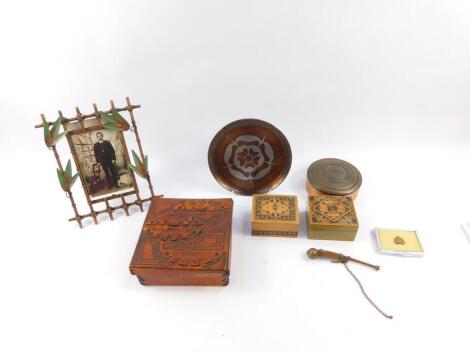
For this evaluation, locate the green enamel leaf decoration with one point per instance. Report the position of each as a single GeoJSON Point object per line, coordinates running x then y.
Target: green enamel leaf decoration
{"type": "Point", "coordinates": [111, 127]}
{"type": "Point", "coordinates": [52, 135]}
{"type": "Point", "coordinates": [140, 168]}
{"type": "Point", "coordinates": [61, 177]}
{"type": "Point", "coordinates": [146, 162]}
{"type": "Point", "coordinates": [74, 178]}
{"type": "Point", "coordinates": [137, 161]}
{"type": "Point", "coordinates": [114, 121]}
{"type": "Point", "coordinates": [68, 168]}
{"type": "Point", "coordinates": [66, 179]}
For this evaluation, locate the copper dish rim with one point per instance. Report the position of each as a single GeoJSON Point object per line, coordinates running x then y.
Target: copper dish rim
{"type": "Point", "coordinates": [282, 176]}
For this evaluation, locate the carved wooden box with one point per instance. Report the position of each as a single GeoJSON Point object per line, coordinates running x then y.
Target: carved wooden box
{"type": "Point", "coordinates": [275, 215]}
{"type": "Point", "coordinates": [185, 242]}
{"type": "Point", "coordinates": [331, 218]}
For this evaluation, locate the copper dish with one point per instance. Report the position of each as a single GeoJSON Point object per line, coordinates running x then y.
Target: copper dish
{"type": "Point", "coordinates": [249, 156]}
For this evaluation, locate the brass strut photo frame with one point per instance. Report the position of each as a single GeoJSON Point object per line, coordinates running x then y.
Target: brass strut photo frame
{"type": "Point", "coordinates": [100, 154]}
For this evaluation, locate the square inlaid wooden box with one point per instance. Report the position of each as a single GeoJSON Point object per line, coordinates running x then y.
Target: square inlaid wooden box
{"type": "Point", "coordinates": [275, 215]}
{"type": "Point", "coordinates": [331, 218]}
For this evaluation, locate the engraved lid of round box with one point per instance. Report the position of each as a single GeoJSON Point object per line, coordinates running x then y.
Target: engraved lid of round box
{"type": "Point", "coordinates": [249, 156]}
{"type": "Point", "coordinates": [331, 176]}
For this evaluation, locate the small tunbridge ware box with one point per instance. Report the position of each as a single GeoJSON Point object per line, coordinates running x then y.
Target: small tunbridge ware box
{"type": "Point", "coordinates": [331, 218]}
{"type": "Point", "coordinates": [275, 215]}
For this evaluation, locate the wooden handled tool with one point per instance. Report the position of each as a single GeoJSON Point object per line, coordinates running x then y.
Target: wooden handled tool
{"type": "Point", "coordinates": [337, 257]}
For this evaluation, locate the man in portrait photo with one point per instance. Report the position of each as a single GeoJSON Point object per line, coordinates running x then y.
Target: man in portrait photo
{"type": "Point", "coordinates": [106, 157]}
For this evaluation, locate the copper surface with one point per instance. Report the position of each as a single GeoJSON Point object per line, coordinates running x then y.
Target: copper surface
{"type": "Point", "coordinates": [249, 156]}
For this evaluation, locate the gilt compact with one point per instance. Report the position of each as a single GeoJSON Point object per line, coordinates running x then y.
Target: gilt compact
{"type": "Point", "coordinates": [185, 242]}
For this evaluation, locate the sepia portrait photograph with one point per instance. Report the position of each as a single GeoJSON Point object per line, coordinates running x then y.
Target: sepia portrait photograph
{"type": "Point", "coordinates": [102, 158]}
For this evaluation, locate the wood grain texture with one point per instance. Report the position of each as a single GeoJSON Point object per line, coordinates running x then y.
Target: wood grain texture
{"type": "Point", "coordinates": [185, 242]}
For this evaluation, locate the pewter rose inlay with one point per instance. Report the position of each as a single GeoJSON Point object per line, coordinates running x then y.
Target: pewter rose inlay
{"type": "Point", "coordinates": [249, 157]}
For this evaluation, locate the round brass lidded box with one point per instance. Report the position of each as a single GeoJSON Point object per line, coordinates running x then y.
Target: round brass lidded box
{"type": "Point", "coordinates": [333, 176]}
{"type": "Point", "coordinates": [249, 156]}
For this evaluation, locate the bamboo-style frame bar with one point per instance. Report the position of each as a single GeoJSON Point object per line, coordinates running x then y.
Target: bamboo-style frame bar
{"type": "Point", "coordinates": [125, 205]}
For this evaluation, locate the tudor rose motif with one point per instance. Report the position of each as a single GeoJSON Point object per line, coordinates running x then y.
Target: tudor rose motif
{"type": "Point", "coordinates": [249, 157]}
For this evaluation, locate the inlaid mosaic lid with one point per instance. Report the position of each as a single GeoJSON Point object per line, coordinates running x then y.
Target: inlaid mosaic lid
{"type": "Point", "coordinates": [275, 209]}
{"type": "Point", "coordinates": [249, 156]}
{"type": "Point", "coordinates": [334, 176]}
{"type": "Point", "coordinates": [332, 212]}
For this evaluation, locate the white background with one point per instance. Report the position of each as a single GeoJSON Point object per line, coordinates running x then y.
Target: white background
{"type": "Point", "coordinates": [382, 84]}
